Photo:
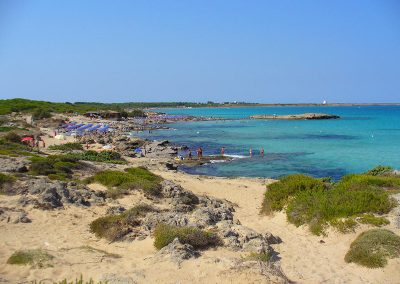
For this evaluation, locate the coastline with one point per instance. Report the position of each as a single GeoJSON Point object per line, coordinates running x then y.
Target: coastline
{"type": "Point", "coordinates": [301, 256]}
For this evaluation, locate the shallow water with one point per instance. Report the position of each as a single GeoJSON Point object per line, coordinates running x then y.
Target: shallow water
{"type": "Point", "coordinates": [364, 137]}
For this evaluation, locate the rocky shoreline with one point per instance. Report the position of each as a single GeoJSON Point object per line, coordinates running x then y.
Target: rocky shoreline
{"type": "Point", "coordinates": [306, 116]}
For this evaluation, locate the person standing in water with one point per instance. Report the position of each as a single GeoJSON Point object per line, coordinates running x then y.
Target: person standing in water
{"type": "Point", "coordinates": [262, 152]}
{"type": "Point", "coordinates": [251, 152]}
{"type": "Point", "coordinates": [190, 155]}
{"type": "Point", "coordinates": [200, 152]}
{"type": "Point", "coordinates": [222, 151]}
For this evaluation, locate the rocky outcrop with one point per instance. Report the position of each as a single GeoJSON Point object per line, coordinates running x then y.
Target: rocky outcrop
{"type": "Point", "coordinates": [160, 149]}
{"type": "Point", "coordinates": [126, 146]}
{"type": "Point", "coordinates": [13, 164]}
{"type": "Point", "coordinates": [296, 116]}
{"type": "Point", "coordinates": [177, 252]}
{"type": "Point", "coordinates": [181, 200]}
{"type": "Point", "coordinates": [47, 194]}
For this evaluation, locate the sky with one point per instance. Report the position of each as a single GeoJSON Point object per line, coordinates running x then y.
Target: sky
{"type": "Point", "coordinates": [256, 51]}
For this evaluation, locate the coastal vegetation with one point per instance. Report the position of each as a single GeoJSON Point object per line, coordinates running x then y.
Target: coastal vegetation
{"type": "Point", "coordinates": [11, 128]}
{"type": "Point", "coordinates": [35, 257]}
{"type": "Point", "coordinates": [120, 183]}
{"type": "Point", "coordinates": [5, 181]}
{"type": "Point", "coordinates": [114, 227]}
{"type": "Point", "coordinates": [372, 248]}
{"type": "Point", "coordinates": [67, 147]}
{"type": "Point", "coordinates": [41, 113]}
{"type": "Point", "coordinates": [318, 203]}
{"type": "Point", "coordinates": [261, 256]}
{"type": "Point", "coordinates": [9, 148]}
{"type": "Point", "coordinates": [30, 106]}
{"type": "Point", "coordinates": [200, 239]}
{"type": "Point", "coordinates": [58, 167]}
{"type": "Point", "coordinates": [103, 156]}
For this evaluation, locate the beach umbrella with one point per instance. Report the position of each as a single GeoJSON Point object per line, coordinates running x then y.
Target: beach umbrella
{"type": "Point", "coordinates": [26, 139]}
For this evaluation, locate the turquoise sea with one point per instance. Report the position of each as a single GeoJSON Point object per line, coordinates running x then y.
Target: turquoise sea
{"type": "Point", "coordinates": [364, 137]}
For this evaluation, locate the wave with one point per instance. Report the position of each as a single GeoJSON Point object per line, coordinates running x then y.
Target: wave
{"type": "Point", "coordinates": [236, 156]}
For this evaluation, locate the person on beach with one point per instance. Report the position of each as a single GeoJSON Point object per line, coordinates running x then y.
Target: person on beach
{"type": "Point", "coordinates": [190, 155]}
{"type": "Point", "coordinates": [251, 152]}
{"type": "Point", "coordinates": [262, 152]}
{"type": "Point", "coordinates": [199, 153]}
{"type": "Point", "coordinates": [222, 151]}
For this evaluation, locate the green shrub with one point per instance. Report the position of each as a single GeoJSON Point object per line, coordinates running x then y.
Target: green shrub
{"type": "Point", "coordinates": [77, 281]}
{"type": "Point", "coordinates": [67, 147]}
{"type": "Point", "coordinates": [380, 171]}
{"type": "Point", "coordinates": [55, 166]}
{"type": "Point", "coordinates": [321, 206]}
{"type": "Point", "coordinates": [120, 183]}
{"type": "Point", "coordinates": [343, 226]}
{"type": "Point", "coordinates": [5, 182]}
{"type": "Point", "coordinates": [41, 113]}
{"type": "Point", "coordinates": [373, 220]}
{"type": "Point", "coordinates": [103, 156]}
{"type": "Point", "coordinates": [363, 182]}
{"type": "Point", "coordinates": [279, 193]}
{"type": "Point", "coordinates": [262, 256]}
{"type": "Point", "coordinates": [372, 248]}
{"type": "Point", "coordinates": [164, 234]}
{"type": "Point", "coordinates": [12, 137]}
{"type": "Point", "coordinates": [34, 257]}
{"type": "Point", "coordinates": [8, 148]}
{"type": "Point", "coordinates": [319, 203]}
{"type": "Point", "coordinates": [114, 227]}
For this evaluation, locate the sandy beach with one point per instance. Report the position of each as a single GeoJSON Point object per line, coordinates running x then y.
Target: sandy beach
{"type": "Point", "coordinates": [304, 258]}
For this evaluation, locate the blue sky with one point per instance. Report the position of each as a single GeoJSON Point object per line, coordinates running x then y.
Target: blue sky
{"type": "Point", "coordinates": [261, 51]}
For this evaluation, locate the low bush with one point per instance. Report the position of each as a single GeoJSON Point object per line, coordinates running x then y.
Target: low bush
{"type": "Point", "coordinates": [103, 156]}
{"type": "Point", "coordinates": [279, 193]}
{"type": "Point", "coordinates": [319, 204]}
{"type": "Point", "coordinates": [262, 256]}
{"type": "Point", "coordinates": [12, 137]}
{"type": "Point", "coordinates": [164, 234]}
{"type": "Point", "coordinates": [363, 182]}
{"type": "Point", "coordinates": [54, 166]}
{"type": "Point", "coordinates": [34, 257]}
{"type": "Point", "coordinates": [316, 208]}
{"type": "Point", "coordinates": [372, 248]}
{"type": "Point", "coordinates": [114, 227]}
{"type": "Point", "coordinates": [373, 220]}
{"type": "Point", "coordinates": [67, 147]}
{"type": "Point", "coordinates": [41, 113]}
{"type": "Point", "coordinates": [380, 171]}
{"type": "Point", "coordinates": [78, 281]}
{"type": "Point", "coordinates": [120, 183]}
{"type": "Point", "coordinates": [8, 148]}
{"type": "Point", "coordinates": [5, 183]}
{"type": "Point", "coordinates": [342, 225]}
